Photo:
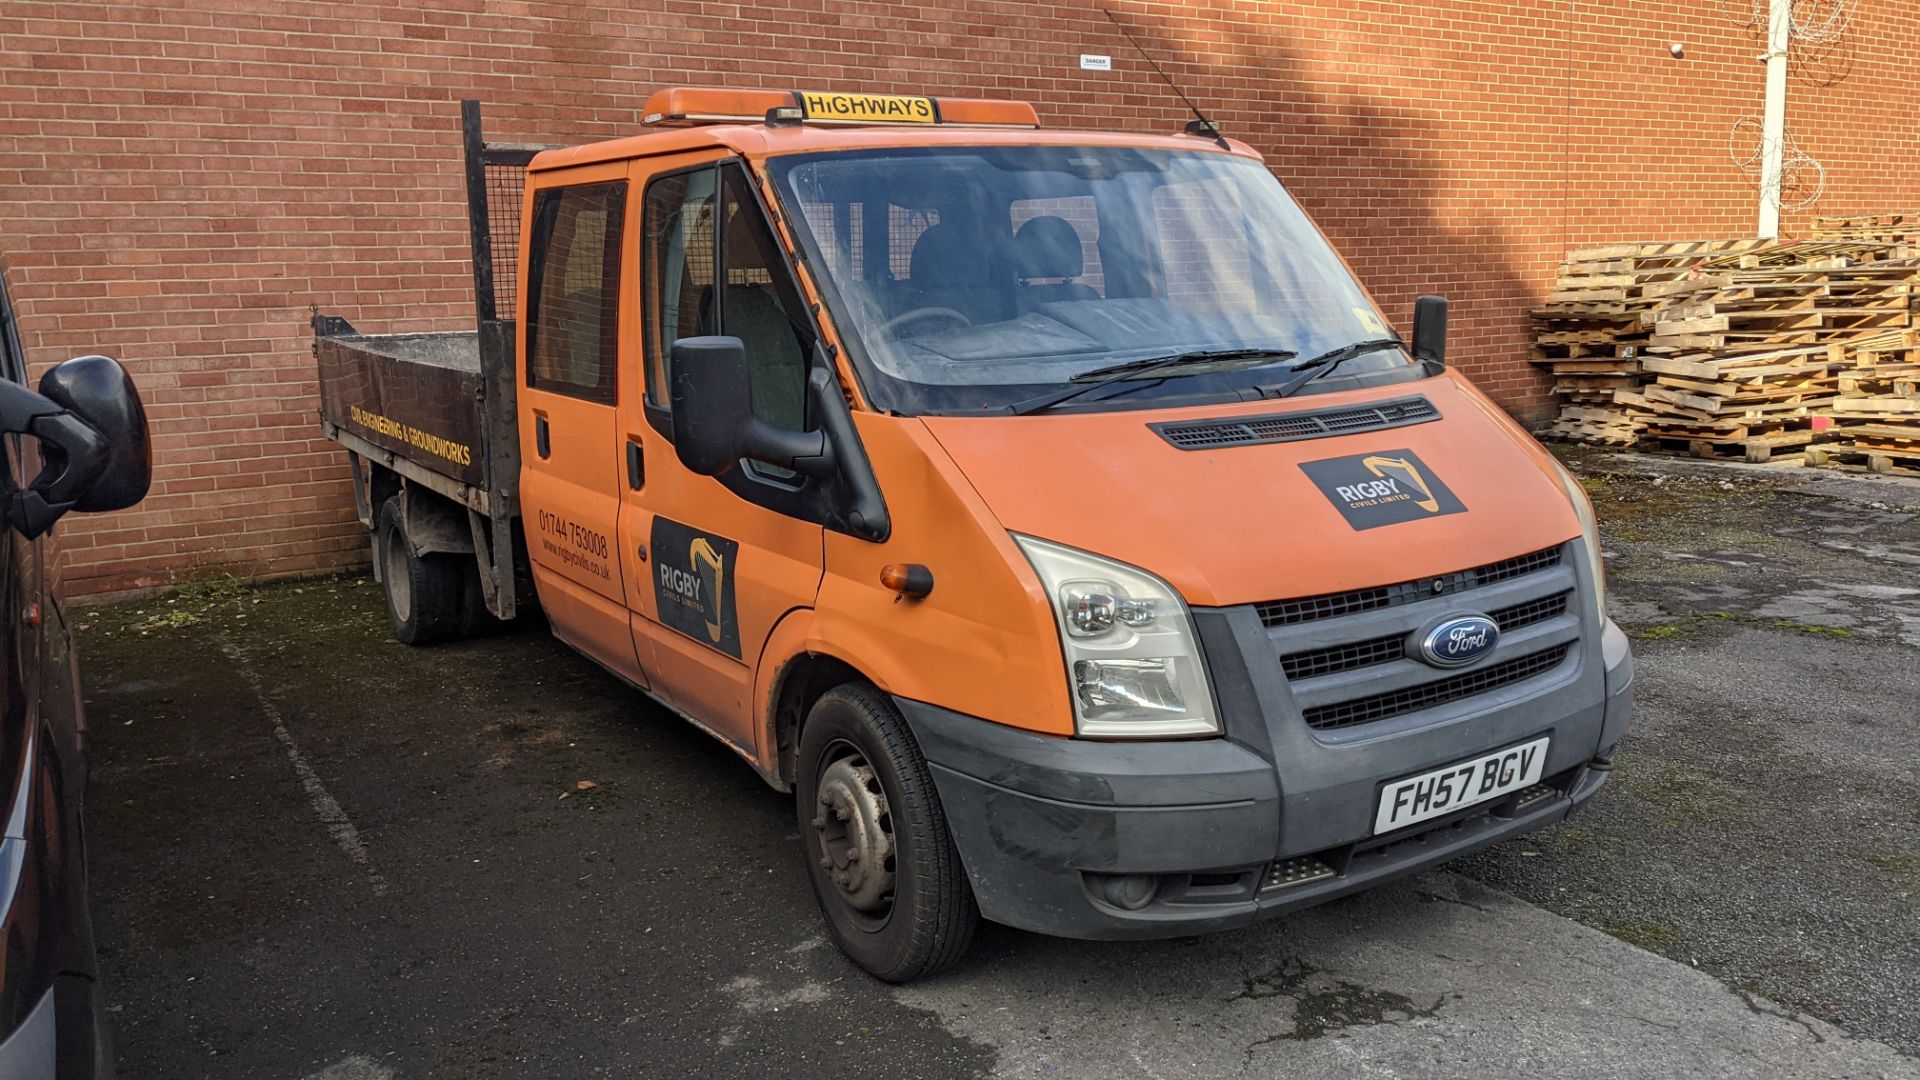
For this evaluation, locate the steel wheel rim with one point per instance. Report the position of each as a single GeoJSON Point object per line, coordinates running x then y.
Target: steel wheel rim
{"type": "Point", "coordinates": [855, 846]}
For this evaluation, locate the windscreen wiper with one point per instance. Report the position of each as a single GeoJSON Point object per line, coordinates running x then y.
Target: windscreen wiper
{"type": "Point", "coordinates": [1314, 367]}
{"type": "Point", "coordinates": [1202, 360]}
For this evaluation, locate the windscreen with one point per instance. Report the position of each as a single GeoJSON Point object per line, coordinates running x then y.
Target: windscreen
{"type": "Point", "coordinates": [975, 278]}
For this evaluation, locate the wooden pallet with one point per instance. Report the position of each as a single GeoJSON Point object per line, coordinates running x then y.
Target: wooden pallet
{"type": "Point", "coordinates": [1898, 228]}
{"type": "Point", "coordinates": [1754, 448]}
{"type": "Point", "coordinates": [1855, 459]}
{"type": "Point", "coordinates": [1733, 348]}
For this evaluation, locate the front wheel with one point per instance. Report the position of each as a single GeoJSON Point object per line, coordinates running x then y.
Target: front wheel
{"type": "Point", "coordinates": [882, 864]}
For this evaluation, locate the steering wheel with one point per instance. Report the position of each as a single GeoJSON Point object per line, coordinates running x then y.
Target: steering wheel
{"type": "Point", "coordinates": [891, 328]}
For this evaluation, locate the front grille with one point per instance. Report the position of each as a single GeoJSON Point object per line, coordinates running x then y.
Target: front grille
{"type": "Point", "coordinates": [1539, 610]}
{"type": "Point", "coordinates": [1333, 659]}
{"type": "Point", "coordinates": [1516, 566]}
{"type": "Point", "coordinates": [1332, 605]}
{"type": "Point", "coordinates": [1337, 658]}
{"type": "Point", "coordinates": [1290, 427]}
{"type": "Point", "coordinates": [1427, 695]}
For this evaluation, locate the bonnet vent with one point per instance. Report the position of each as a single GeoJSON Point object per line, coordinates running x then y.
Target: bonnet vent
{"type": "Point", "coordinates": [1293, 426]}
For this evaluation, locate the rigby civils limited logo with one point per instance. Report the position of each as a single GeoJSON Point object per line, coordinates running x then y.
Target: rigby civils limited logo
{"type": "Point", "coordinates": [1383, 488]}
{"type": "Point", "coordinates": [693, 584]}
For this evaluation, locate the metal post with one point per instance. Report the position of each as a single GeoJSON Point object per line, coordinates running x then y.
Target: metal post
{"type": "Point", "coordinates": [1773, 124]}
{"type": "Point", "coordinates": [475, 152]}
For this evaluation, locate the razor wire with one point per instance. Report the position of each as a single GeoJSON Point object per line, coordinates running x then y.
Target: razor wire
{"type": "Point", "coordinates": [1821, 22]}
{"type": "Point", "coordinates": [1816, 22]}
{"type": "Point", "coordinates": [1802, 178]}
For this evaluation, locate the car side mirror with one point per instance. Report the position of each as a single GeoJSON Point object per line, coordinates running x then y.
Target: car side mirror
{"type": "Point", "coordinates": [1430, 331]}
{"type": "Point", "coordinates": [714, 425]}
{"type": "Point", "coordinates": [99, 391]}
{"type": "Point", "coordinates": [93, 440]}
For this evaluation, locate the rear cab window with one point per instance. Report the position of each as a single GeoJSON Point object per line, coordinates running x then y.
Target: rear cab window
{"type": "Point", "coordinates": [573, 290]}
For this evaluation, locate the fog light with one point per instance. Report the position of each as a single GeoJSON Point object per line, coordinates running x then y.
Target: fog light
{"type": "Point", "coordinates": [1128, 892]}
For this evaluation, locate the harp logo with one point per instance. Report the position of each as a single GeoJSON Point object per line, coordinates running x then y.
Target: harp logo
{"type": "Point", "coordinates": [710, 566]}
{"type": "Point", "coordinates": [1401, 468]}
{"type": "Point", "coordinates": [693, 584]}
{"type": "Point", "coordinates": [1387, 488]}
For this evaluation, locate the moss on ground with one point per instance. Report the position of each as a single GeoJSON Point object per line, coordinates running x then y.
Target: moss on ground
{"type": "Point", "coordinates": [1649, 934]}
{"type": "Point", "coordinates": [1699, 622]}
{"type": "Point", "coordinates": [1687, 797]}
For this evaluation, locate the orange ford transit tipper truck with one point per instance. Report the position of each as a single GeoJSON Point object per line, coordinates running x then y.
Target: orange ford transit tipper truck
{"type": "Point", "coordinates": [1050, 511]}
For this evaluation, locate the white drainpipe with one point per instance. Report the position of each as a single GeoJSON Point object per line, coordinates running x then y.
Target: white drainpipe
{"type": "Point", "coordinates": [1773, 125]}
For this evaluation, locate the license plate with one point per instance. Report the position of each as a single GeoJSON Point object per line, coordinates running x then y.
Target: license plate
{"type": "Point", "coordinates": [1414, 799]}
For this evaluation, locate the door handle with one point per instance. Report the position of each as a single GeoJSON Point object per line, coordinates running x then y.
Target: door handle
{"type": "Point", "coordinates": [636, 465]}
{"type": "Point", "coordinates": [542, 442]}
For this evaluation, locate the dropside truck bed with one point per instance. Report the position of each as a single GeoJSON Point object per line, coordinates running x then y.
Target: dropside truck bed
{"type": "Point", "coordinates": [429, 420]}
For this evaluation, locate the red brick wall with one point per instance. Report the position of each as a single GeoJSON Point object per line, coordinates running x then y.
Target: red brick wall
{"type": "Point", "coordinates": [179, 181]}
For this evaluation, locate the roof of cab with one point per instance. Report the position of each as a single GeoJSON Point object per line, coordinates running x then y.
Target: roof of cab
{"type": "Point", "coordinates": [693, 119]}
{"type": "Point", "coordinates": [763, 140]}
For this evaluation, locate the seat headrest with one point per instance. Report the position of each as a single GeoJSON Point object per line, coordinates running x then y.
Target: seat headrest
{"type": "Point", "coordinates": [1048, 247]}
{"type": "Point", "coordinates": [945, 256]}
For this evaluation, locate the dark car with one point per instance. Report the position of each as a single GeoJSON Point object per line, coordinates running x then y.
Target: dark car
{"type": "Point", "coordinates": [79, 443]}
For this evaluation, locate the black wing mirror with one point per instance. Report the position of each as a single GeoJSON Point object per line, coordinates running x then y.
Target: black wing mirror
{"type": "Point", "coordinates": [1430, 331]}
{"type": "Point", "coordinates": [93, 439]}
{"type": "Point", "coordinates": [714, 425]}
{"type": "Point", "coordinates": [99, 391]}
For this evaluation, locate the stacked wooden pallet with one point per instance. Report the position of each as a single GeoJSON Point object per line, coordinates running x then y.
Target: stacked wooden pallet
{"type": "Point", "coordinates": [1728, 352]}
{"type": "Point", "coordinates": [1593, 329]}
{"type": "Point", "coordinates": [1877, 410]}
{"type": "Point", "coordinates": [1899, 228]}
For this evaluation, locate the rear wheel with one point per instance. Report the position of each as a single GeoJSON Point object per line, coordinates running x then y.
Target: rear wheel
{"type": "Point", "coordinates": [882, 863]}
{"type": "Point", "coordinates": [425, 593]}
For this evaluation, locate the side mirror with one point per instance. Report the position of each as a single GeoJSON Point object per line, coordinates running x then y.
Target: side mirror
{"type": "Point", "coordinates": [92, 432]}
{"type": "Point", "coordinates": [100, 392]}
{"type": "Point", "coordinates": [1430, 331]}
{"type": "Point", "coordinates": [714, 425]}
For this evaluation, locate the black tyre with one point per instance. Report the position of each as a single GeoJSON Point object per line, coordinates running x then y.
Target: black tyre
{"type": "Point", "coordinates": [882, 863]}
{"type": "Point", "coordinates": [425, 593]}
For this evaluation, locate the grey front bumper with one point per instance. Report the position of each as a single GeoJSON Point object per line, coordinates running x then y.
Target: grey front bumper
{"type": "Point", "coordinates": [1040, 820]}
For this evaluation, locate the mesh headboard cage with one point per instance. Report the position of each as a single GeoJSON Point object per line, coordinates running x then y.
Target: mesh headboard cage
{"type": "Point", "coordinates": [496, 179]}
{"type": "Point", "coordinates": [506, 180]}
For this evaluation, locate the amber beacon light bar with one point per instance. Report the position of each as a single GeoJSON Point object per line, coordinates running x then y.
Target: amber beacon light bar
{"type": "Point", "coordinates": [690, 105]}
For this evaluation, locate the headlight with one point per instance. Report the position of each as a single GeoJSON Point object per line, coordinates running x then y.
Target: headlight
{"type": "Point", "coordinates": [1134, 668]}
{"type": "Point", "coordinates": [1590, 528]}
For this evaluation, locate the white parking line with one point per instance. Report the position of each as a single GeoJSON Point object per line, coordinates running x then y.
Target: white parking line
{"type": "Point", "coordinates": [339, 825]}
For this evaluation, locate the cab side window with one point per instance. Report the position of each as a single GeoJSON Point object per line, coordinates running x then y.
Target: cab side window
{"type": "Point", "coordinates": [573, 290]}
{"type": "Point", "coordinates": [678, 249]}
{"type": "Point", "coordinates": [714, 267]}
{"type": "Point", "coordinates": [758, 307]}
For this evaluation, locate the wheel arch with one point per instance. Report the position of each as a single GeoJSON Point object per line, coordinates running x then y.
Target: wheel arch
{"type": "Point", "coordinates": [789, 686]}
{"type": "Point", "coordinates": [435, 524]}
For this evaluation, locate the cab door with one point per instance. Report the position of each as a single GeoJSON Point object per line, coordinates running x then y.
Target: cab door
{"type": "Point", "coordinates": [575, 308]}
{"type": "Point", "coordinates": [726, 557]}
